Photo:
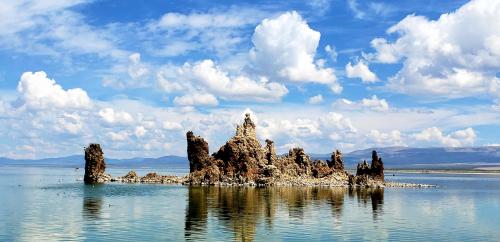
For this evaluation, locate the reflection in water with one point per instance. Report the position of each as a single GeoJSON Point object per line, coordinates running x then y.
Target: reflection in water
{"type": "Point", "coordinates": [196, 212]}
{"type": "Point", "coordinates": [239, 209]}
{"type": "Point", "coordinates": [373, 195]}
{"type": "Point", "coordinates": [92, 201]}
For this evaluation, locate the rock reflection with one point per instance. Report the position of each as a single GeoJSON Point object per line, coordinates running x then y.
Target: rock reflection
{"type": "Point", "coordinates": [375, 196]}
{"type": "Point", "coordinates": [240, 209]}
{"type": "Point", "coordinates": [196, 212]}
{"type": "Point", "coordinates": [92, 201]}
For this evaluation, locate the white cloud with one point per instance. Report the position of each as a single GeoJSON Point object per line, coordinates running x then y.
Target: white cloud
{"type": "Point", "coordinates": [136, 69]}
{"type": "Point", "coordinates": [439, 56]}
{"type": "Point", "coordinates": [39, 92]}
{"type": "Point", "coordinates": [110, 116]}
{"type": "Point", "coordinates": [373, 103]}
{"type": "Point", "coordinates": [172, 125]}
{"type": "Point", "coordinates": [362, 71]}
{"type": "Point", "coordinates": [139, 131]}
{"type": "Point", "coordinates": [69, 123]}
{"type": "Point", "coordinates": [52, 28]}
{"type": "Point", "coordinates": [456, 139]}
{"type": "Point", "coordinates": [320, 6]}
{"type": "Point", "coordinates": [316, 99]}
{"type": "Point", "coordinates": [381, 139]}
{"type": "Point", "coordinates": [214, 31]}
{"type": "Point", "coordinates": [118, 136]}
{"type": "Point", "coordinates": [285, 46]}
{"type": "Point", "coordinates": [204, 20]}
{"type": "Point", "coordinates": [353, 5]}
{"type": "Point", "coordinates": [195, 99]}
{"type": "Point", "coordinates": [332, 52]}
{"type": "Point", "coordinates": [205, 74]}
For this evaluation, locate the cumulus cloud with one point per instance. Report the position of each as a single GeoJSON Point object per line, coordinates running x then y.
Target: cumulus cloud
{"type": "Point", "coordinates": [458, 138]}
{"type": "Point", "coordinates": [69, 123]}
{"type": "Point", "coordinates": [37, 91]}
{"type": "Point", "coordinates": [439, 56]}
{"type": "Point", "coordinates": [381, 139]}
{"type": "Point", "coordinates": [211, 78]}
{"type": "Point", "coordinates": [136, 69]}
{"type": "Point", "coordinates": [362, 71]}
{"type": "Point", "coordinates": [373, 103]}
{"type": "Point", "coordinates": [316, 99]}
{"type": "Point", "coordinates": [306, 132]}
{"type": "Point", "coordinates": [110, 116]}
{"type": "Point", "coordinates": [118, 136]}
{"type": "Point", "coordinates": [195, 99]}
{"type": "Point", "coordinates": [284, 48]}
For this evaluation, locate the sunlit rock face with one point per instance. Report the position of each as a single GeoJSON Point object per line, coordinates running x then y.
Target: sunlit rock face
{"type": "Point", "coordinates": [94, 165]}
{"type": "Point", "coordinates": [242, 156]}
{"type": "Point", "coordinates": [244, 160]}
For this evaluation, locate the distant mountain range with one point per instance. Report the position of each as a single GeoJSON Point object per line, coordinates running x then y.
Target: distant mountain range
{"type": "Point", "coordinates": [393, 157]}
{"type": "Point", "coordinates": [426, 158]}
{"type": "Point", "coordinates": [79, 161]}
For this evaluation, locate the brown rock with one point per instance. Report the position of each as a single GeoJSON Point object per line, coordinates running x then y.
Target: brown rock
{"type": "Point", "coordinates": [94, 165]}
{"type": "Point", "coordinates": [375, 171]}
{"type": "Point", "coordinates": [320, 169]}
{"type": "Point", "coordinates": [242, 156]}
{"type": "Point", "coordinates": [130, 177]}
{"type": "Point", "coordinates": [336, 163]}
{"type": "Point", "coordinates": [363, 169]}
{"type": "Point", "coordinates": [197, 151]}
{"type": "Point", "coordinates": [377, 167]}
{"type": "Point", "coordinates": [270, 152]}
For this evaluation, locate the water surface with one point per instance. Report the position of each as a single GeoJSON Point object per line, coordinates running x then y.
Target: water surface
{"type": "Point", "coordinates": [40, 204]}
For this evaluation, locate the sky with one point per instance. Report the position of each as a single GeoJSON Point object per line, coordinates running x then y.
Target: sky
{"type": "Point", "coordinates": [135, 76]}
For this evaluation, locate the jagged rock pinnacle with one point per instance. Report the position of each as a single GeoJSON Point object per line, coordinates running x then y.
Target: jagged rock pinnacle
{"type": "Point", "coordinates": [94, 165]}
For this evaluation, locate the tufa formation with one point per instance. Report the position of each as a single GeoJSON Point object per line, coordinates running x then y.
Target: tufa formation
{"type": "Point", "coordinates": [94, 165]}
{"type": "Point", "coordinates": [243, 160]}
{"type": "Point", "coordinates": [366, 174]}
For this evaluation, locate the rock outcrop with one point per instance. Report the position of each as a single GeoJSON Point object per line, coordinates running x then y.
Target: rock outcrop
{"type": "Point", "coordinates": [94, 165]}
{"type": "Point", "coordinates": [243, 160]}
{"type": "Point", "coordinates": [366, 175]}
{"type": "Point", "coordinates": [377, 167]}
{"type": "Point", "coordinates": [337, 164]}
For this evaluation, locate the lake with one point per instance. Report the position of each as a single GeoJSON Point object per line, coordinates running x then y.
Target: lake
{"type": "Point", "coordinates": [47, 203]}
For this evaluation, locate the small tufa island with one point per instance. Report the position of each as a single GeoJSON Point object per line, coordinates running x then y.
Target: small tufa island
{"type": "Point", "coordinates": [244, 161]}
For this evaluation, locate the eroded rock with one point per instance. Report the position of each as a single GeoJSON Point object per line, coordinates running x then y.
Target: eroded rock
{"type": "Point", "coordinates": [94, 165]}
{"type": "Point", "coordinates": [243, 160]}
{"type": "Point", "coordinates": [366, 174]}
{"type": "Point", "coordinates": [336, 163]}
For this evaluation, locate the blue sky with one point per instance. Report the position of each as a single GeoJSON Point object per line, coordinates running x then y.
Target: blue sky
{"type": "Point", "coordinates": [347, 74]}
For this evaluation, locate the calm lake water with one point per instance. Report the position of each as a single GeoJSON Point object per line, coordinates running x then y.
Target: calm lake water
{"type": "Point", "coordinates": [44, 204]}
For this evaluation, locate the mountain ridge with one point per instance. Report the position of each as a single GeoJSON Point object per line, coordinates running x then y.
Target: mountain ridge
{"type": "Point", "coordinates": [393, 157]}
